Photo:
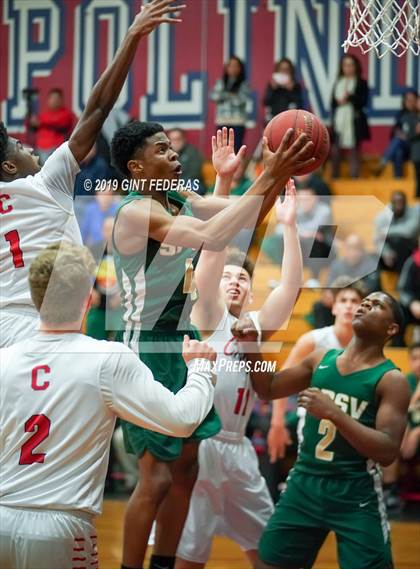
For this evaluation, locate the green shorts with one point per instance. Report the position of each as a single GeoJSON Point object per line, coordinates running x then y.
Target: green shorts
{"type": "Point", "coordinates": [312, 506]}
{"type": "Point", "coordinates": [169, 369]}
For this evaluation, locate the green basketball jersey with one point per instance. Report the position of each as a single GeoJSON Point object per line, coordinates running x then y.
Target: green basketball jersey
{"type": "Point", "coordinates": [323, 450]}
{"type": "Point", "coordinates": [157, 285]}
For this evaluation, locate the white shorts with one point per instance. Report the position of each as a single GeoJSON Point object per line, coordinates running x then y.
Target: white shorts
{"type": "Point", "coordinates": [230, 498]}
{"type": "Point", "coordinates": [16, 326]}
{"type": "Point", "coordinates": [46, 539]}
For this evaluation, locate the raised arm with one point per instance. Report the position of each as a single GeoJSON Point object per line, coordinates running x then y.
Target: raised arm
{"type": "Point", "coordinates": [208, 310]}
{"type": "Point", "coordinates": [382, 443]}
{"type": "Point", "coordinates": [107, 89]}
{"type": "Point", "coordinates": [279, 304]}
{"type": "Point", "coordinates": [137, 223]}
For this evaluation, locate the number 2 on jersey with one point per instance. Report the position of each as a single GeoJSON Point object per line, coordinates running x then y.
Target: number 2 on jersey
{"type": "Point", "coordinates": [40, 426]}
{"type": "Point", "coordinates": [329, 430]}
{"type": "Point", "coordinates": [12, 237]}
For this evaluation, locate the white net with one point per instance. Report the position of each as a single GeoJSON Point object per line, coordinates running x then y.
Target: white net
{"type": "Point", "coordinates": [384, 26]}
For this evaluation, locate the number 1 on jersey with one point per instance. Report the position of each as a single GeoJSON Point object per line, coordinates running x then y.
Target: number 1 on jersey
{"type": "Point", "coordinates": [14, 241]}
{"type": "Point", "coordinates": [238, 407]}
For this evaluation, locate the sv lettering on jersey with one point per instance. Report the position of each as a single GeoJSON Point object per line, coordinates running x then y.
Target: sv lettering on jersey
{"type": "Point", "coordinates": [3, 207]}
{"type": "Point", "coordinates": [348, 404]}
{"type": "Point", "coordinates": [35, 372]}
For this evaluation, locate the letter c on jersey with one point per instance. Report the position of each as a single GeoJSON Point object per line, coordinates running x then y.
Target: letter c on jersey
{"type": "Point", "coordinates": [39, 386]}
{"type": "Point", "coordinates": [3, 198]}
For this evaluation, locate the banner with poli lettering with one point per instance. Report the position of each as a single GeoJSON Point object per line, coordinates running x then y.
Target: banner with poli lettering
{"type": "Point", "coordinates": [68, 43]}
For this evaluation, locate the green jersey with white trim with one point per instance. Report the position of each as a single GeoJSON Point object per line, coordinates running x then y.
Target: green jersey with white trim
{"type": "Point", "coordinates": [323, 450]}
{"type": "Point", "coordinates": [157, 284]}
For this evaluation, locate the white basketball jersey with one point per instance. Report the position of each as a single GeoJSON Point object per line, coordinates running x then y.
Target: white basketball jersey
{"type": "Point", "coordinates": [60, 394]}
{"type": "Point", "coordinates": [35, 212]}
{"type": "Point", "coordinates": [234, 395]}
{"type": "Point", "coordinates": [325, 338]}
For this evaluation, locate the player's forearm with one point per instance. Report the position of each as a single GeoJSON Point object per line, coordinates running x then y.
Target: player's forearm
{"type": "Point", "coordinates": [222, 186]}
{"type": "Point", "coordinates": [103, 96]}
{"type": "Point", "coordinates": [279, 304]}
{"type": "Point", "coordinates": [371, 443]}
{"type": "Point", "coordinates": [278, 412]}
{"type": "Point", "coordinates": [261, 381]}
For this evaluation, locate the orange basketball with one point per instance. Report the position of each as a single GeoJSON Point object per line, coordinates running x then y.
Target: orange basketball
{"type": "Point", "coordinates": [303, 122]}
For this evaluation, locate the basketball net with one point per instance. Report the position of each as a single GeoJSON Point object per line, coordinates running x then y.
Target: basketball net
{"type": "Point", "coordinates": [384, 26]}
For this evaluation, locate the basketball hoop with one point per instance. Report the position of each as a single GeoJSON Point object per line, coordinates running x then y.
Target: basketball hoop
{"type": "Point", "coordinates": [384, 26]}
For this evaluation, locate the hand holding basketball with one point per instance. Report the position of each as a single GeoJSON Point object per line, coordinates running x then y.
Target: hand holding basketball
{"type": "Point", "coordinates": [302, 122]}
{"type": "Point", "coordinates": [288, 157]}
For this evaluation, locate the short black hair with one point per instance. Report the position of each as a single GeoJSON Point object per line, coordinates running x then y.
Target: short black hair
{"type": "Point", "coordinates": [4, 141]}
{"type": "Point", "coordinates": [128, 139]}
{"type": "Point", "coordinates": [236, 257]}
{"type": "Point", "coordinates": [396, 311]}
{"type": "Point", "coordinates": [413, 347]}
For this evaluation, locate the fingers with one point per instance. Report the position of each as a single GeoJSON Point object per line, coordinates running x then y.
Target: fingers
{"type": "Point", "coordinates": [219, 138]}
{"type": "Point", "coordinates": [213, 144]}
{"type": "Point", "coordinates": [225, 136]}
{"type": "Point", "coordinates": [286, 141]}
{"type": "Point", "coordinates": [186, 342]}
{"type": "Point", "coordinates": [241, 152]}
{"type": "Point", "coordinates": [231, 141]}
{"type": "Point", "coordinates": [305, 152]}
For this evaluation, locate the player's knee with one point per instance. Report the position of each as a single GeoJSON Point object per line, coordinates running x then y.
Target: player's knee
{"type": "Point", "coordinates": [187, 477]}
{"type": "Point", "coordinates": [154, 485]}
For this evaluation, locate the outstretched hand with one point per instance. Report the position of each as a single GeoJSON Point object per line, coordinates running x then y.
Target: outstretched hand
{"type": "Point", "coordinates": [286, 209]}
{"type": "Point", "coordinates": [155, 13]}
{"type": "Point", "coordinates": [225, 161]}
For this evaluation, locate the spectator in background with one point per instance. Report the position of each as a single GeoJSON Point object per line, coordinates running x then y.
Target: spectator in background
{"type": "Point", "coordinates": [189, 157]}
{"type": "Point", "coordinates": [104, 205]}
{"type": "Point", "coordinates": [312, 180]}
{"type": "Point", "coordinates": [315, 232]}
{"type": "Point", "coordinates": [92, 168]}
{"type": "Point", "coordinates": [400, 240]}
{"type": "Point", "coordinates": [391, 473]}
{"type": "Point", "coordinates": [283, 92]}
{"type": "Point", "coordinates": [398, 149]}
{"type": "Point", "coordinates": [350, 127]}
{"type": "Point", "coordinates": [409, 289]}
{"type": "Point", "coordinates": [357, 264]}
{"type": "Point", "coordinates": [53, 126]}
{"type": "Point", "coordinates": [411, 126]}
{"type": "Point", "coordinates": [104, 318]}
{"type": "Point", "coordinates": [231, 95]}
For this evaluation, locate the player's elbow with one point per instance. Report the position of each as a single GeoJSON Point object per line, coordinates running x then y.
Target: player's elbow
{"type": "Point", "coordinates": [389, 455]}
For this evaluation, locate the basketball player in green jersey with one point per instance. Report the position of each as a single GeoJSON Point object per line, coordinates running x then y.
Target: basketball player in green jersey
{"type": "Point", "coordinates": [156, 238]}
{"type": "Point", "coordinates": [357, 405]}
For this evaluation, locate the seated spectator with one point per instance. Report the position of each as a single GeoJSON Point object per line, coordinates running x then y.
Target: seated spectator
{"type": "Point", "coordinates": [104, 205]}
{"type": "Point", "coordinates": [411, 127]}
{"type": "Point", "coordinates": [315, 231]}
{"type": "Point", "coordinates": [401, 237]}
{"type": "Point", "coordinates": [412, 437]}
{"type": "Point", "coordinates": [104, 318]}
{"type": "Point", "coordinates": [189, 157]}
{"type": "Point", "coordinates": [398, 149]}
{"type": "Point", "coordinates": [409, 289]}
{"type": "Point", "coordinates": [357, 264]}
{"type": "Point", "coordinates": [92, 168]}
{"type": "Point", "coordinates": [53, 126]}
{"type": "Point", "coordinates": [283, 92]}
{"type": "Point", "coordinates": [313, 180]}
